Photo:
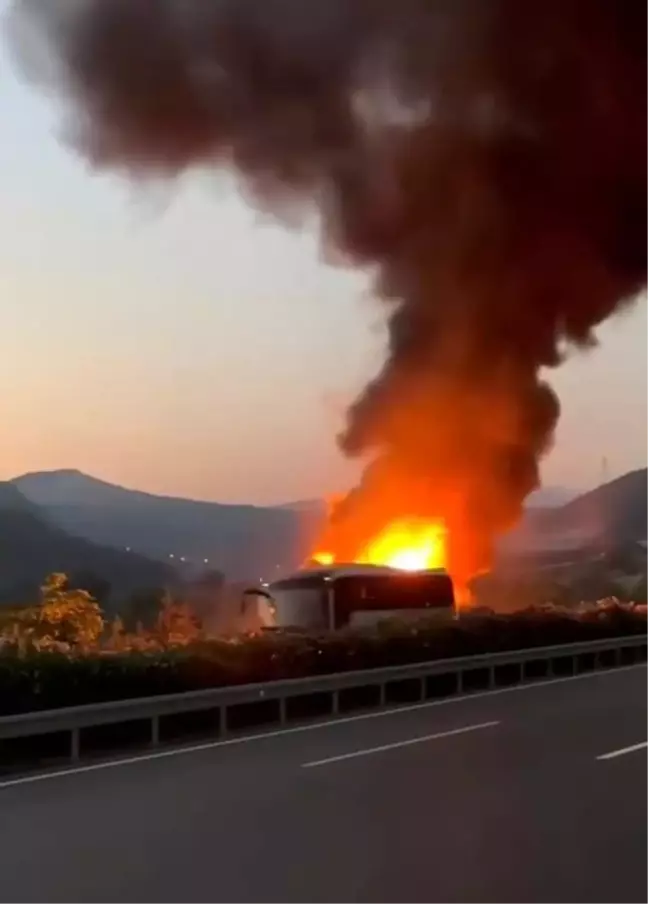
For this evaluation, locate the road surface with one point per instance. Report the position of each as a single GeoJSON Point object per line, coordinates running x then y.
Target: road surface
{"type": "Point", "coordinates": [531, 794]}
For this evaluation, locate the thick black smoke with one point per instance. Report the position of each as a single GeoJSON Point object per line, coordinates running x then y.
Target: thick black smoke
{"type": "Point", "coordinates": [487, 156]}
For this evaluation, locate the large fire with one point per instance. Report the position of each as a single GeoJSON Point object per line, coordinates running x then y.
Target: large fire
{"type": "Point", "coordinates": [411, 544]}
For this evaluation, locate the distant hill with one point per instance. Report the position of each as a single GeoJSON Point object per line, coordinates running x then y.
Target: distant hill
{"type": "Point", "coordinates": [311, 506]}
{"type": "Point", "coordinates": [612, 515]}
{"type": "Point", "coordinates": [619, 508]}
{"type": "Point", "coordinates": [32, 547]}
{"type": "Point", "coordinates": [550, 497]}
{"type": "Point", "coordinates": [245, 541]}
{"type": "Point", "coordinates": [545, 497]}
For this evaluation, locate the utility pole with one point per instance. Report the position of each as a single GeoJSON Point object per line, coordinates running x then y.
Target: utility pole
{"type": "Point", "coordinates": [605, 475]}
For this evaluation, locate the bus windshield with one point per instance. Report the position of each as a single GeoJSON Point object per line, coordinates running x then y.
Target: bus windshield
{"type": "Point", "coordinates": [301, 603]}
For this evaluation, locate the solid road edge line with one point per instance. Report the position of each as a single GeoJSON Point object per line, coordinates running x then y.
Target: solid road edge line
{"type": "Point", "coordinates": [622, 751]}
{"type": "Point", "coordinates": [396, 744]}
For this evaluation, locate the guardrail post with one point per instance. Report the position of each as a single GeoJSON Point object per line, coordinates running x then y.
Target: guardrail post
{"type": "Point", "coordinates": [282, 711]}
{"type": "Point", "coordinates": [335, 703]}
{"type": "Point", "coordinates": [75, 747]}
{"type": "Point", "coordinates": [155, 731]}
{"type": "Point", "coordinates": [599, 662]}
{"type": "Point", "coordinates": [223, 720]}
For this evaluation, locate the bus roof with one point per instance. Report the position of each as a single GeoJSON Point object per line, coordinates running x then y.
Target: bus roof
{"type": "Point", "coordinates": [333, 572]}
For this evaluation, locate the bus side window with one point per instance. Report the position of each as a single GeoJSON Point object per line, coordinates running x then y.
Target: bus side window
{"type": "Point", "coordinates": [349, 594]}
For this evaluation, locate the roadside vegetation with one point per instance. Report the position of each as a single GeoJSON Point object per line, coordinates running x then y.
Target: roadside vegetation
{"type": "Point", "coordinates": [62, 652]}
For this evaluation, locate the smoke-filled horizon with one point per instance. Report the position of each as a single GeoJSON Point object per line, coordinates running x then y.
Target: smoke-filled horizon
{"type": "Point", "coordinates": [485, 157]}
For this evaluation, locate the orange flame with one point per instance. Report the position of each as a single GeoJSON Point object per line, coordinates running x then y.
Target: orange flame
{"type": "Point", "coordinates": [411, 544]}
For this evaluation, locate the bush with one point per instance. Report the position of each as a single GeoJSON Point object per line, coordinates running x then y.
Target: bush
{"type": "Point", "coordinates": [40, 679]}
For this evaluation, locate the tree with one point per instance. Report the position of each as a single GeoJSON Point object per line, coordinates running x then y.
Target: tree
{"type": "Point", "coordinates": [143, 607]}
{"type": "Point", "coordinates": [64, 616]}
{"type": "Point", "coordinates": [96, 585]}
{"type": "Point", "coordinates": [205, 595]}
{"type": "Point", "coordinates": [177, 623]}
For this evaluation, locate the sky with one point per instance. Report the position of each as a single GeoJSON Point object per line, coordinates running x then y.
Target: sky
{"type": "Point", "coordinates": [170, 339]}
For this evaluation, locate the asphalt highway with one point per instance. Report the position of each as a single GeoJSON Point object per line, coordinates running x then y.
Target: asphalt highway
{"type": "Point", "coordinates": [536, 794]}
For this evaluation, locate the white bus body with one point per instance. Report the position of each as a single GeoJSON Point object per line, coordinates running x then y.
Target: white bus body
{"type": "Point", "coordinates": [329, 598]}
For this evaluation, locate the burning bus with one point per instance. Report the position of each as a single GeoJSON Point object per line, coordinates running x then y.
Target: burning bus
{"type": "Point", "coordinates": [328, 598]}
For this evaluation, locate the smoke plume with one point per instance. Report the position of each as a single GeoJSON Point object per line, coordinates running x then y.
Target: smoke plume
{"type": "Point", "coordinates": [486, 157]}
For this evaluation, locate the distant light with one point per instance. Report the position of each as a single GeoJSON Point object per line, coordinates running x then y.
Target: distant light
{"type": "Point", "coordinates": [128, 549]}
{"type": "Point", "coordinates": [171, 556]}
{"type": "Point", "coordinates": [206, 560]}
{"type": "Point", "coordinates": [182, 559]}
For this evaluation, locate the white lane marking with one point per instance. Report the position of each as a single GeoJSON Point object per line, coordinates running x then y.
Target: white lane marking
{"type": "Point", "coordinates": [623, 750]}
{"type": "Point", "coordinates": [407, 743]}
{"type": "Point", "coordinates": [297, 729]}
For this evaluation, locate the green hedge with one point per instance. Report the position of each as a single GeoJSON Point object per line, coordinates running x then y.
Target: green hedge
{"type": "Point", "coordinates": [46, 680]}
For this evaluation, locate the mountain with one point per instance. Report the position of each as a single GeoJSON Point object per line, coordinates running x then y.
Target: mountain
{"type": "Point", "coordinates": [246, 542]}
{"type": "Point", "coordinates": [618, 509]}
{"type": "Point", "coordinates": [550, 497]}
{"type": "Point", "coordinates": [611, 515]}
{"type": "Point", "coordinates": [311, 506]}
{"type": "Point", "coordinates": [32, 547]}
{"type": "Point", "coordinates": [545, 497]}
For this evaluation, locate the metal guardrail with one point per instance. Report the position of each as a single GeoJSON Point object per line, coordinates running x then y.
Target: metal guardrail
{"type": "Point", "coordinates": [229, 709]}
